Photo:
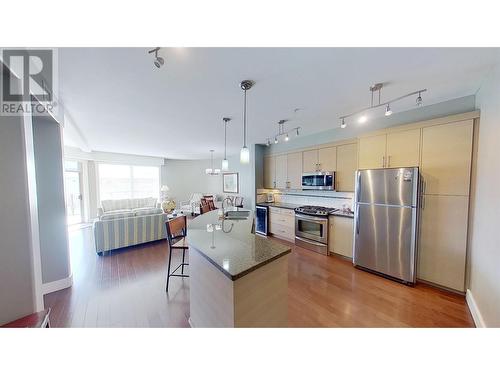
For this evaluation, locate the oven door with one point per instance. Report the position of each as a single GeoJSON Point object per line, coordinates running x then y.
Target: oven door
{"type": "Point", "coordinates": [312, 227]}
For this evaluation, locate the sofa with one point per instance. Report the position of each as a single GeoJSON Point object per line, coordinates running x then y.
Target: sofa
{"type": "Point", "coordinates": [127, 222]}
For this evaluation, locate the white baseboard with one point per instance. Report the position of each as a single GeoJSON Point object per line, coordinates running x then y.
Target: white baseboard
{"type": "Point", "coordinates": [54, 286]}
{"type": "Point", "coordinates": [474, 310]}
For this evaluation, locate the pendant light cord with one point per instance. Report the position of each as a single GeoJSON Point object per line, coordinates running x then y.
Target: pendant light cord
{"type": "Point", "coordinates": [245, 120]}
{"type": "Point", "coordinates": [225, 138]}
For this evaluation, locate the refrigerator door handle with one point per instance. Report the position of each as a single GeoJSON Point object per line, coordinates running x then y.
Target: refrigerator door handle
{"type": "Point", "coordinates": [357, 220]}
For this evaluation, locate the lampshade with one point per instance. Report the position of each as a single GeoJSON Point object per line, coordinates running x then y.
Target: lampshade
{"type": "Point", "coordinates": [245, 155]}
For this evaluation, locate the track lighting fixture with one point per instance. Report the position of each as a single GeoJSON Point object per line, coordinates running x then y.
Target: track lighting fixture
{"type": "Point", "coordinates": [376, 89]}
{"type": "Point", "coordinates": [388, 110]}
{"type": "Point", "coordinates": [268, 143]}
{"type": "Point", "coordinates": [419, 100]}
{"type": "Point", "coordinates": [284, 133]}
{"type": "Point", "coordinates": [158, 61]}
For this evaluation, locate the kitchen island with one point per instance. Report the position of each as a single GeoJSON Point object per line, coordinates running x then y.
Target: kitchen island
{"type": "Point", "coordinates": [237, 278]}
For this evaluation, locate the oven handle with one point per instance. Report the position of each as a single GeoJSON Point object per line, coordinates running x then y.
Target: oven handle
{"type": "Point", "coordinates": [311, 218]}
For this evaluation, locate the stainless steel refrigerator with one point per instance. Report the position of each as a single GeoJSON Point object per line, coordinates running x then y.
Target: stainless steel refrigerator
{"type": "Point", "coordinates": [386, 221]}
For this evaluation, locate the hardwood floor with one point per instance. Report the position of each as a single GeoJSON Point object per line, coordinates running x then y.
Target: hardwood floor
{"type": "Point", "coordinates": [127, 289]}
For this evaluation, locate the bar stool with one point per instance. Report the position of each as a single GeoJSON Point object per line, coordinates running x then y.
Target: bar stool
{"type": "Point", "coordinates": [176, 236]}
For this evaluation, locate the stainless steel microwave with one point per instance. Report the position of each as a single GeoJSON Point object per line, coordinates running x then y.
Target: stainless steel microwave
{"type": "Point", "coordinates": [318, 181]}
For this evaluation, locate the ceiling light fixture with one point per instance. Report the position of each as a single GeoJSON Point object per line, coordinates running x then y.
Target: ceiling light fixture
{"type": "Point", "coordinates": [285, 133]}
{"type": "Point", "coordinates": [388, 110]}
{"type": "Point", "coordinates": [158, 61]}
{"type": "Point", "coordinates": [211, 171]}
{"type": "Point", "coordinates": [268, 143]}
{"type": "Point", "coordinates": [377, 89]}
{"type": "Point", "coordinates": [225, 162]}
{"type": "Point", "coordinates": [419, 99]}
{"type": "Point", "coordinates": [245, 152]}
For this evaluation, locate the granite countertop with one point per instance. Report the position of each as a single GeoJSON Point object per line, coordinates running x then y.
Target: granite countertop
{"type": "Point", "coordinates": [290, 206]}
{"type": "Point", "coordinates": [230, 245]}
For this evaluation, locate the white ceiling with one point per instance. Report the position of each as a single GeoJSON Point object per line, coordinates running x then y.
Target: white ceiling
{"type": "Point", "coordinates": [121, 103]}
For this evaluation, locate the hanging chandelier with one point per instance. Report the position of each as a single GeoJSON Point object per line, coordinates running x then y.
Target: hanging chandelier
{"type": "Point", "coordinates": [375, 90]}
{"type": "Point", "coordinates": [211, 171]}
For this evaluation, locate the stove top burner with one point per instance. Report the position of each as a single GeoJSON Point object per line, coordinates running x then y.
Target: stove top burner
{"type": "Point", "coordinates": [316, 210]}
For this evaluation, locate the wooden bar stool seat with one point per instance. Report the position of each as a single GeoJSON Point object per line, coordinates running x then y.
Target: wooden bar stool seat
{"type": "Point", "coordinates": [176, 236]}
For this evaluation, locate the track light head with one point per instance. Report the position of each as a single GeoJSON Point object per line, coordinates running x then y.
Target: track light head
{"type": "Point", "coordinates": [419, 100]}
{"type": "Point", "coordinates": [388, 110]}
{"type": "Point", "coordinates": [297, 132]}
{"type": "Point", "coordinates": [268, 143]}
{"type": "Point", "coordinates": [343, 125]}
{"type": "Point", "coordinates": [362, 119]}
{"type": "Point", "coordinates": [158, 61]}
{"type": "Point", "coordinates": [287, 138]}
{"type": "Point", "coordinates": [275, 140]}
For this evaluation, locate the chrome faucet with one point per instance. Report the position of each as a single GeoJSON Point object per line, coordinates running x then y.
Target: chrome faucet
{"type": "Point", "coordinates": [223, 208]}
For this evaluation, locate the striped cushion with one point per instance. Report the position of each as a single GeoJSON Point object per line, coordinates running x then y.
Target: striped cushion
{"type": "Point", "coordinates": [118, 233]}
{"type": "Point", "coordinates": [127, 204]}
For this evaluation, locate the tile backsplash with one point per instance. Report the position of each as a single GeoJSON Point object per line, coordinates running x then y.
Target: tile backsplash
{"type": "Point", "coordinates": [333, 201]}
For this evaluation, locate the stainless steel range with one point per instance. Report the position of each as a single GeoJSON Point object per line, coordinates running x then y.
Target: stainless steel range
{"type": "Point", "coordinates": [311, 227]}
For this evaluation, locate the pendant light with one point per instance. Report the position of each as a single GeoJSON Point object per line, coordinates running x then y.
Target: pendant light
{"type": "Point", "coordinates": [211, 171]}
{"type": "Point", "coordinates": [245, 152]}
{"type": "Point", "coordinates": [225, 162]}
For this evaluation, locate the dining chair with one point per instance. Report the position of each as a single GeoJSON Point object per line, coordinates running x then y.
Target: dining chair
{"type": "Point", "coordinates": [204, 208]}
{"type": "Point", "coordinates": [176, 236]}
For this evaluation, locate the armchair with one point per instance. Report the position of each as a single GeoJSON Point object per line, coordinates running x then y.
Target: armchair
{"type": "Point", "coordinates": [191, 206]}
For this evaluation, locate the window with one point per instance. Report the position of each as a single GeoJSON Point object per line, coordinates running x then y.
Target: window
{"type": "Point", "coordinates": [128, 181]}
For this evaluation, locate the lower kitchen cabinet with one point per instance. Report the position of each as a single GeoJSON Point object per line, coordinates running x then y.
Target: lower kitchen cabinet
{"type": "Point", "coordinates": [340, 233]}
{"type": "Point", "coordinates": [282, 223]}
{"type": "Point", "coordinates": [443, 240]}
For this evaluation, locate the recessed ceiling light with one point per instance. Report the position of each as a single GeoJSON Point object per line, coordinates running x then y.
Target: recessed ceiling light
{"type": "Point", "coordinates": [362, 119]}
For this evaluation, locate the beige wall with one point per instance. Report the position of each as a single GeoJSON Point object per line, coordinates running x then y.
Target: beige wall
{"type": "Point", "coordinates": [484, 278]}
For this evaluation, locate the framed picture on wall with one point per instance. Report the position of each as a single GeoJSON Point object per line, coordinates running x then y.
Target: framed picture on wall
{"type": "Point", "coordinates": [230, 183]}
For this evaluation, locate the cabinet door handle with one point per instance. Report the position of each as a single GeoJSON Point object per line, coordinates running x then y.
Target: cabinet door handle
{"type": "Point", "coordinates": [389, 160]}
{"type": "Point", "coordinates": [383, 161]}
{"type": "Point", "coordinates": [423, 202]}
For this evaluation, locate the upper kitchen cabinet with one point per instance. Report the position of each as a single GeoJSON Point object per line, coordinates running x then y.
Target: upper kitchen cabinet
{"type": "Point", "coordinates": [324, 159]}
{"type": "Point", "coordinates": [310, 161]}
{"type": "Point", "coordinates": [281, 172]}
{"type": "Point", "coordinates": [346, 167]}
{"type": "Point", "coordinates": [327, 159]}
{"type": "Point", "coordinates": [395, 149]}
{"type": "Point", "coordinates": [294, 170]}
{"type": "Point", "coordinates": [269, 172]}
{"type": "Point", "coordinates": [372, 152]}
{"type": "Point", "coordinates": [446, 158]}
{"type": "Point", "coordinates": [403, 149]}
